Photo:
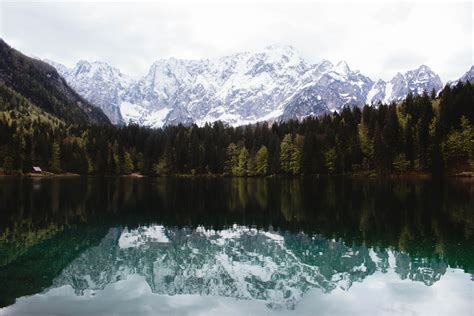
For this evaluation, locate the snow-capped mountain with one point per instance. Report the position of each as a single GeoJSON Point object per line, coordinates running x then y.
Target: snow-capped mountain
{"type": "Point", "coordinates": [415, 81]}
{"type": "Point", "coordinates": [468, 76]}
{"type": "Point", "coordinates": [332, 88]}
{"type": "Point", "coordinates": [98, 83]}
{"type": "Point", "coordinates": [239, 262]}
{"type": "Point", "coordinates": [275, 83]}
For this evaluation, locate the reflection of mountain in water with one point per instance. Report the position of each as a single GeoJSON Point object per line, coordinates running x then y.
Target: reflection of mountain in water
{"type": "Point", "coordinates": [238, 262]}
{"type": "Point", "coordinates": [57, 226]}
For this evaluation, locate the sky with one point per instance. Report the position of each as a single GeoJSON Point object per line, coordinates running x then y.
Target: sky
{"type": "Point", "coordinates": [378, 38]}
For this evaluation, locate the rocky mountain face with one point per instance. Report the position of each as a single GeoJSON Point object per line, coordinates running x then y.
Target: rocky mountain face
{"type": "Point", "coordinates": [468, 76]}
{"type": "Point", "coordinates": [238, 262]}
{"type": "Point", "coordinates": [44, 87]}
{"type": "Point", "coordinates": [414, 81]}
{"type": "Point", "coordinates": [272, 84]}
{"type": "Point", "coordinates": [99, 83]}
{"type": "Point", "coordinates": [332, 88]}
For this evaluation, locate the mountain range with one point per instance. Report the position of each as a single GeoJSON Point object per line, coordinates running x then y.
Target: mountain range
{"type": "Point", "coordinates": [272, 84]}
{"type": "Point", "coordinates": [275, 83]}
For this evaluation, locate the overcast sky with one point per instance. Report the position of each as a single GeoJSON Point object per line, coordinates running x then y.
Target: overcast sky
{"type": "Point", "coordinates": [379, 39]}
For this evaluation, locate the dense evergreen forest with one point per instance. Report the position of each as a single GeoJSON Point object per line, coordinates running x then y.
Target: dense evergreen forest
{"type": "Point", "coordinates": [426, 133]}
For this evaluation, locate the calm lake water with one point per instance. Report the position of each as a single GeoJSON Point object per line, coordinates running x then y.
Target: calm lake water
{"type": "Point", "coordinates": [94, 246]}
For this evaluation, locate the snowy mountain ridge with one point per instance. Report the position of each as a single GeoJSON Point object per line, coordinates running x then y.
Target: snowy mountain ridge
{"type": "Point", "coordinates": [272, 84]}
{"type": "Point", "coordinates": [241, 262]}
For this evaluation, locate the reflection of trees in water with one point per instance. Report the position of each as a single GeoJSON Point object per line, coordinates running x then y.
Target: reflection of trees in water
{"type": "Point", "coordinates": [15, 241]}
{"type": "Point", "coordinates": [39, 261]}
{"type": "Point", "coordinates": [426, 225]}
{"type": "Point", "coordinates": [422, 217]}
{"type": "Point", "coordinates": [291, 201]}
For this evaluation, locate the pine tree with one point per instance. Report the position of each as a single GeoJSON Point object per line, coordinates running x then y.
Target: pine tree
{"type": "Point", "coordinates": [366, 145]}
{"type": "Point", "coordinates": [409, 143]}
{"type": "Point", "coordinates": [295, 160]}
{"type": "Point", "coordinates": [232, 159]}
{"type": "Point", "coordinates": [261, 161]}
{"type": "Point", "coordinates": [330, 158]}
{"type": "Point", "coordinates": [458, 148]}
{"type": "Point", "coordinates": [380, 151]}
{"type": "Point", "coordinates": [251, 166]}
{"type": "Point", "coordinates": [241, 169]}
{"type": "Point", "coordinates": [308, 155]}
{"type": "Point", "coordinates": [55, 161]}
{"type": "Point", "coordinates": [436, 157]}
{"type": "Point", "coordinates": [127, 163]}
{"type": "Point", "coordinates": [8, 164]}
{"type": "Point", "coordinates": [112, 165]}
{"type": "Point", "coordinates": [286, 150]}
{"type": "Point", "coordinates": [274, 155]}
{"type": "Point", "coordinates": [390, 137]}
{"type": "Point", "coordinates": [19, 146]}
{"type": "Point", "coordinates": [140, 162]}
{"type": "Point", "coordinates": [165, 165]}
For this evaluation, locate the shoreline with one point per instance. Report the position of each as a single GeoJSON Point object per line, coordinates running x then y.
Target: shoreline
{"type": "Point", "coordinates": [415, 175]}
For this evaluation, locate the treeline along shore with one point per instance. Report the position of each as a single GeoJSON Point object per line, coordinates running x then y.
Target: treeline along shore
{"type": "Point", "coordinates": [429, 134]}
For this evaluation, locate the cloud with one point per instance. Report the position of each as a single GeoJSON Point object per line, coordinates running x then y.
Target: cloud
{"type": "Point", "coordinates": [377, 38]}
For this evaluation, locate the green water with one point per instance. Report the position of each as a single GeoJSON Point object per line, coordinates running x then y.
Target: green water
{"type": "Point", "coordinates": [338, 246]}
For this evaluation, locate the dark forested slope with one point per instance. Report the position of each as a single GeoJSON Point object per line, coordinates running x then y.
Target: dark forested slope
{"type": "Point", "coordinates": [41, 84]}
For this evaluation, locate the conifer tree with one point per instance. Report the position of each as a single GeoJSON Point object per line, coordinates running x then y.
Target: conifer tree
{"type": "Point", "coordinates": [241, 169]}
{"type": "Point", "coordinates": [127, 163]}
{"type": "Point", "coordinates": [251, 165]}
{"type": "Point", "coordinates": [295, 160]}
{"type": "Point", "coordinates": [330, 158]}
{"type": "Point", "coordinates": [232, 159]}
{"type": "Point", "coordinates": [286, 150]}
{"type": "Point", "coordinates": [55, 161]}
{"type": "Point", "coordinates": [8, 164]}
{"type": "Point", "coordinates": [261, 161]}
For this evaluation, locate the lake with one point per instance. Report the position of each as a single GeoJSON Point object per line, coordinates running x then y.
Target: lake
{"type": "Point", "coordinates": [171, 246]}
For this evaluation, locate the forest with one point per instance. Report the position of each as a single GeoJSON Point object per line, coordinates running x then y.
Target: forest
{"type": "Point", "coordinates": [428, 133]}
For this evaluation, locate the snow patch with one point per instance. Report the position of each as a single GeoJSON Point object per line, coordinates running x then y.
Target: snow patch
{"type": "Point", "coordinates": [140, 236]}
{"type": "Point", "coordinates": [156, 118]}
{"type": "Point", "coordinates": [388, 93]}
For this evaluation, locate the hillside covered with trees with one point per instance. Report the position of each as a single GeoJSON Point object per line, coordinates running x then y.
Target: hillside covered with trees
{"type": "Point", "coordinates": [42, 85]}
{"type": "Point", "coordinates": [421, 134]}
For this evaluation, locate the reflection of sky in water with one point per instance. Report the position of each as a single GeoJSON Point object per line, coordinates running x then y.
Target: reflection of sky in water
{"type": "Point", "coordinates": [379, 294]}
{"type": "Point", "coordinates": [157, 270]}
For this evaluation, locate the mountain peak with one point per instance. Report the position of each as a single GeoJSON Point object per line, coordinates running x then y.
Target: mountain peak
{"type": "Point", "coordinates": [423, 71]}
{"type": "Point", "coordinates": [62, 69]}
{"type": "Point", "coordinates": [99, 68]}
{"type": "Point", "coordinates": [424, 67]}
{"type": "Point", "coordinates": [325, 65]}
{"type": "Point", "coordinates": [468, 76]}
{"type": "Point", "coordinates": [342, 67]}
{"type": "Point", "coordinates": [82, 62]}
{"type": "Point", "coordinates": [281, 52]}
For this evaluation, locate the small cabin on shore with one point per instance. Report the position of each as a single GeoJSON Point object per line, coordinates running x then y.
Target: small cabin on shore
{"type": "Point", "coordinates": [36, 170]}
